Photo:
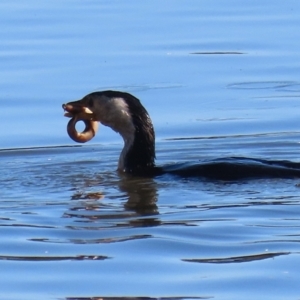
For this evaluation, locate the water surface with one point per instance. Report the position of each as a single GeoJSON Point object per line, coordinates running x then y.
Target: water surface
{"type": "Point", "coordinates": [219, 79]}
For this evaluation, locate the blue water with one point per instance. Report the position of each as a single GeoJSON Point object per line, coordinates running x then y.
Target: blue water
{"type": "Point", "coordinates": [218, 79]}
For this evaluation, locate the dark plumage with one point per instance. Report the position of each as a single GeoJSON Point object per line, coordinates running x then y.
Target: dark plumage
{"type": "Point", "coordinates": [141, 154]}
{"type": "Point", "coordinates": [125, 114]}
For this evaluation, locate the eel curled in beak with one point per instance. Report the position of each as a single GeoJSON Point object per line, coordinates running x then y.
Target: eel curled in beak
{"type": "Point", "coordinates": [78, 111]}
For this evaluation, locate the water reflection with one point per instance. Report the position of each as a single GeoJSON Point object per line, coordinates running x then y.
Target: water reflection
{"type": "Point", "coordinates": [140, 192]}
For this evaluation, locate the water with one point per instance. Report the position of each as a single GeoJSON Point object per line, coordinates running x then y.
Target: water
{"type": "Point", "coordinates": [219, 79]}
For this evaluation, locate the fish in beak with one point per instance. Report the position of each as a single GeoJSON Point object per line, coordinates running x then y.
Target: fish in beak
{"type": "Point", "coordinates": [79, 111]}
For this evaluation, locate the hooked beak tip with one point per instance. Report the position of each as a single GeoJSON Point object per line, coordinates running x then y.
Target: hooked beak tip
{"type": "Point", "coordinates": [80, 111]}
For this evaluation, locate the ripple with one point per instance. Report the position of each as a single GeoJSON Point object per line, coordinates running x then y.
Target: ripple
{"type": "Point", "coordinates": [237, 259]}
{"type": "Point", "coordinates": [53, 258]}
{"type": "Point", "coordinates": [219, 53]}
{"type": "Point", "coordinates": [263, 85]}
{"type": "Point", "coordinates": [137, 298]}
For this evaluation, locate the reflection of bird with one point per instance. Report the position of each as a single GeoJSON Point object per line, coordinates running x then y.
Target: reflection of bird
{"type": "Point", "coordinates": [126, 115]}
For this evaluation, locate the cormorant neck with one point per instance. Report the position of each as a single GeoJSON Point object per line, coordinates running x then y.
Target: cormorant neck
{"type": "Point", "coordinates": [125, 114]}
{"type": "Point", "coordinates": [138, 154]}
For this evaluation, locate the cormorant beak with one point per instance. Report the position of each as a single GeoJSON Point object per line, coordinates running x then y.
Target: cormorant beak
{"type": "Point", "coordinates": [78, 109]}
